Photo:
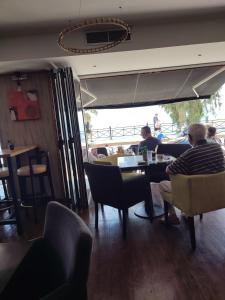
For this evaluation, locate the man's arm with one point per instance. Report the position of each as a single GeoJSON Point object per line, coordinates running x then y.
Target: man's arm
{"type": "Point", "coordinates": [179, 166]}
{"type": "Point", "coordinates": [140, 147]}
{"type": "Point", "coordinates": [168, 171]}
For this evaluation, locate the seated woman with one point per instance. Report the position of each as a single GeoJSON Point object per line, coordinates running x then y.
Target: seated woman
{"type": "Point", "coordinates": [120, 150]}
{"type": "Point", "coordinates": [211, 136]}
{"type": "Point", "coordinates": [92, 155]}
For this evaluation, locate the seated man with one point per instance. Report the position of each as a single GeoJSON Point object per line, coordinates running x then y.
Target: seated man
{"type": "Point", "coordinates": [149, 142]}
{"type": "Point", "coordinates": [202, 158]}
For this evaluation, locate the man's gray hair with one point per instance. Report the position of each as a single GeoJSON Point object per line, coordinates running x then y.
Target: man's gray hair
{"type": "Point", "coordinates": [197, 131]}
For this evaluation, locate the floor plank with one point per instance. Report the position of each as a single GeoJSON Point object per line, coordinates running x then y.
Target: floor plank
{"type": "Point", "coordinates": [156, 262]}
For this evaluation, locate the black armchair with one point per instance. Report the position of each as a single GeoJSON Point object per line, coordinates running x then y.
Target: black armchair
{"type": "Point", "coordinates": [174, 150]}
{"type": "Point", "coordinates": [102, 150]}
{"type": "Point", "coordinates": [109, 188]}
{"type": "Point", "coordinates": [57, 264]}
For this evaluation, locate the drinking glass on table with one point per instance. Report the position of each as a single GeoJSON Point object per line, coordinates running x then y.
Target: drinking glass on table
{"type": "Point", "coordinates": [153, 155]}
{"type": "Point", "coordinates": [160, 157]}
{"type": "Point", "coordinates": [149, 155]}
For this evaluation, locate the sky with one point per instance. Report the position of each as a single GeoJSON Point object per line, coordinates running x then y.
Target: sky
{"type": "Point", "coordinates": [140, 115]}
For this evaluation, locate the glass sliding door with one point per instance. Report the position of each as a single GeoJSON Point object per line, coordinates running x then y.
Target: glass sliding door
{"type": "Point", "coordinates": [68, 133]}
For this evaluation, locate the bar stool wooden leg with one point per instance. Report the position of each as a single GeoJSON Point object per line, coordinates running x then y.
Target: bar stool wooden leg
{"type": "Point", "coordinates": [22, 184]}
{"type": "Point", "coordinates": [5, 189]}
{"type": "Point", "coordinates": [51, 185]}
{"type": "Point", "coordinates": [34, 199]}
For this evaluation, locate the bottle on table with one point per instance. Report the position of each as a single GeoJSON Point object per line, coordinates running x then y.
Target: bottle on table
{"type": "Point", "coordinates": [10, 145]}
{"type": "Point", "coordinates": [144, 153]}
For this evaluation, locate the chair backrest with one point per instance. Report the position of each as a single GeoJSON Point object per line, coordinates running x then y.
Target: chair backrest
{"type": "Point", "coordinates": [196, 194]}
{"type": "Point", "coordinates": [174, 150]}
{"type": "Point", "coordinates": [102, 162]}
{"type": "Point", "coordinates": [41, 157]}
{"type": "Point", "coordinates": [134, 148]}
{"type": "Point", "coordinates": [109, 160]}
{"type": "Point", "coordinates": [70, 239]}
{"type": "Point", "coordinates": [105, 183]}
{"type": "Point", "coordinates": [102, 150]}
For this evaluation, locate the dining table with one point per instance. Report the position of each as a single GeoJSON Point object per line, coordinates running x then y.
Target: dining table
{"type": "Point", "coordinates": [12, 157]}
{"type": "Point", "coordinates": [150, 168]}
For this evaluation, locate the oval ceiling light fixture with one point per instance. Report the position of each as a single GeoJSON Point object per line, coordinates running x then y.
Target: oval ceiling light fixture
{"type": "Point", "coordinates": [93, 23]}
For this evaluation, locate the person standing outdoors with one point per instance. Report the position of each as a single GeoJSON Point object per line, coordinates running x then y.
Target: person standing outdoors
{"type": "Point", "coordinates": [155, 122]}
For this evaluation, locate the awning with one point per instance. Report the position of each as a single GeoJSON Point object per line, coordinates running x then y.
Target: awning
{"type": "Point", "coordinates": [152, 88]}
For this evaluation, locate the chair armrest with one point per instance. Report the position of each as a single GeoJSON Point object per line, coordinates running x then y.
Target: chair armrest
{"type": "Point", "coordinates": [34, 239]}
{"type": "Point", "coordinates": [181, 193]}
{"type": "Point", "coordinates": [195, 194]}
{"type": "Point", "coordinates": [61, 293]}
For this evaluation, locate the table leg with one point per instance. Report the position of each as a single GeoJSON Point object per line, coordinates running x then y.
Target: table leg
{"type": "Point", "coordinates": [143, 211]}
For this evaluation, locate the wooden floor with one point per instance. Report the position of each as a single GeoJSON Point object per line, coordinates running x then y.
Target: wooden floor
{"type": "Point", "coordinates": [154, 263]}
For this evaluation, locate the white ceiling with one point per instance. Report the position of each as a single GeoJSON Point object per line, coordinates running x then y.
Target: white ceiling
{"type": "Point", "coordinates": [27, 15]}
{"type": "Point", "coordinates": [115, 63]}
{"type": "Point", "coordinates": [148, 59]}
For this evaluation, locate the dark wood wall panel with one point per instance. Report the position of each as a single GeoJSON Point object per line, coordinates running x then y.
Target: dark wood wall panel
{"type": "Point", "coordinates": [40, 132]}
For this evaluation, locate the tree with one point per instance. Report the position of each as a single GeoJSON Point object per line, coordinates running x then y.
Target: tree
{"type": "Point", "coordinates": [192, 111]}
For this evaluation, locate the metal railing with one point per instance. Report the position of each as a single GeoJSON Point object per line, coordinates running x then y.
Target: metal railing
{"type": "Point", "coordinates": [111, 133]}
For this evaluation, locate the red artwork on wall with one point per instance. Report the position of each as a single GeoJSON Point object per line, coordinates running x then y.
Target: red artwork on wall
{"type": "Point", "coordinates": [24, 105]}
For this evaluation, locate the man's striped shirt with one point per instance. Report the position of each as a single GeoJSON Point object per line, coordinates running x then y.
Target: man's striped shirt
{"type": "Point", "coordinates": [204, 158]}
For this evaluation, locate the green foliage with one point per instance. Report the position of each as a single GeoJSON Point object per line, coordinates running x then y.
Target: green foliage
{"type": "Point", "coordinates": [88, 113]}
{"type": "Point", "coordinates": [87, 116]}
{"type": "Point", "coordinates": [192, 111]}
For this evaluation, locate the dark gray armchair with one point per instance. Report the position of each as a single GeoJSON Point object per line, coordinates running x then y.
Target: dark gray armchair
{"type": "Point", "coordinates": [174, 150]}
{"type": "Point", "coordinates": [57, 264]}
{"type": "Point", "coordinates": [109, 188]}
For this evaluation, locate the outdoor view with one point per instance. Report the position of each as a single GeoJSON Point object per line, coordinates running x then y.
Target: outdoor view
{"type": "Point", "coordinates": [114, 126]}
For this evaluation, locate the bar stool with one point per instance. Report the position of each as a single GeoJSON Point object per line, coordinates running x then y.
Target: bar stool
{"type": "Point", "coordinates": [4, 176]}
{"type": "Point", "coordinates": [5, 203]}
{"type": "Point", "coordinates": [39, 167]}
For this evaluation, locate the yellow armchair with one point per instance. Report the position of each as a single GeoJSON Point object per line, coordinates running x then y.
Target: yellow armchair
{"type": "Point", "coordinates": [196, 194]}
{"type": "Point", "coordinates": [112, 160]}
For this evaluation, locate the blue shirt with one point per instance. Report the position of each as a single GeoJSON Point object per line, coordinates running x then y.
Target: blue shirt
{"type": "Point", "coordinates": [150, 143]}
{"type": "Point", "coordinates": [160, 136]}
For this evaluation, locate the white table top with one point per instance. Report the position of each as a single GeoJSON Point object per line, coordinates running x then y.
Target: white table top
{"type": "Point", "coordinates": [137, 161]}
